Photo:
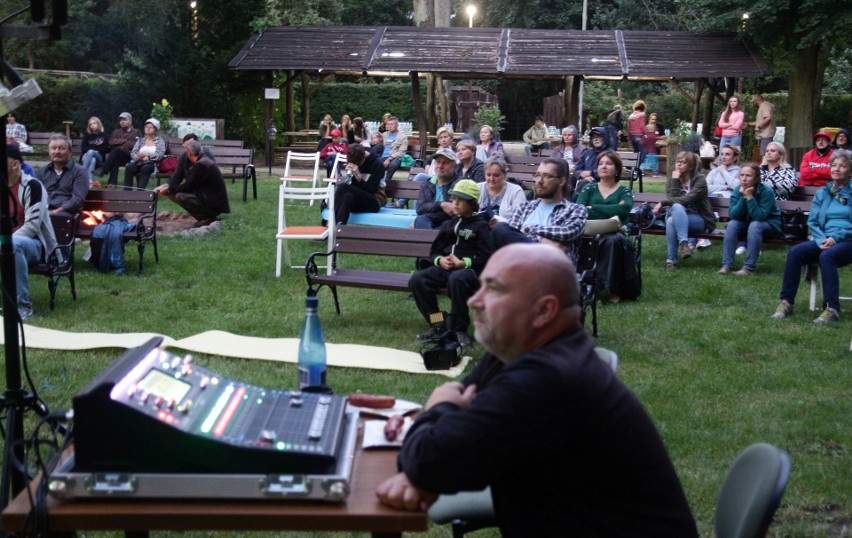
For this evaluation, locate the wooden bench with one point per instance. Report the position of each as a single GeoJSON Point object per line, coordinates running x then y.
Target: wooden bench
{"type": "Point", "coordinates": [240, 161]}
{"type": "Point", "coordinates": [143, 203]}
{"type": "Point", "coordinates": [40, 140]}
{"type": "Point", "coordinates": [351, 242]}
{"type": "Point", "coordinates": [60, 261]}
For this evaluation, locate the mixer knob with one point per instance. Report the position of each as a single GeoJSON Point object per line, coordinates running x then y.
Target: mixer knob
{"type": "Point", "coordinates": [296, 402]}
{"type": "Point", "coordinates": [268, 436]}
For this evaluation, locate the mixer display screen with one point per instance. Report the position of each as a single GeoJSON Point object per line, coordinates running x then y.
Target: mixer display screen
{"type": "Point", "coordinates": [162, 385]}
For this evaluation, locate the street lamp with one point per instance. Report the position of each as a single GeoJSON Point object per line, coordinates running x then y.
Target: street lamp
{"type": "Point", "coordinates": [471, 11]}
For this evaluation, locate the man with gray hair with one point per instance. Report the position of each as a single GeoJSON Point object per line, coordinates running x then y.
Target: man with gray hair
{"type": "Point", "coordinates": [121, 141]}
{"type": "Point", "coordinates": [203, 194]}
{"type": "Point", "coordinates": [67, 182]}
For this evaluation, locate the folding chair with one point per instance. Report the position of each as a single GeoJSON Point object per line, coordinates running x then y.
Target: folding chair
{"type": "Point", "coordinates": [302, 160]}
{"type": "Point", "coordinates": [286, 233]}
{"type": "Point", "coordinates": [338, 166]}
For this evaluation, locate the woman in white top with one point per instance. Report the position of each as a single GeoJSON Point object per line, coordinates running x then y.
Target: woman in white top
{"type": "Point", "coordinates": [498, 195]}
{"type": "Point", "coordinates": [146, 153]}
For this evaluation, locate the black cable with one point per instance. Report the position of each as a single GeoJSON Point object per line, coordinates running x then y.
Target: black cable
{"type": "Point", "coordinates": [35, 448]}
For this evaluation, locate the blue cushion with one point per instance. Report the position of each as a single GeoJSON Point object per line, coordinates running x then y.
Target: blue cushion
{"type": "Point", "coordinates": [387, 216]}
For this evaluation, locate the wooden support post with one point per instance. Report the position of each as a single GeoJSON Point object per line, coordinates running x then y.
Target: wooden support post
{"type": "Point", "coordinates": [421, 116]}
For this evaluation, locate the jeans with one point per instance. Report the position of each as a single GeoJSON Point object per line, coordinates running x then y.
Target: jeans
{"type": "Point", "coordinates": [732, 140]}
{"type": "Point", "coordinates": [636, 140]}
{"type": "Point", "coordinates": [679, 225]}
{"type": "Point", "coordinates": [755, 231]}
{"type": "Point", "coordinates": [611, 136]}
{"type": "Point", "coordinates": [538, 146]}
{"type": "Point", "coordinates": [28, 251]}
{"type": "Point", "coordinates": [91, 160]}
{"type": "Point", "coordinates": [829, 260]}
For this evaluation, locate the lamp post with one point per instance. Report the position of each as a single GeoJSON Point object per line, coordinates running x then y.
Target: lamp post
{"type": "Point", "coordinates": [471, 11]}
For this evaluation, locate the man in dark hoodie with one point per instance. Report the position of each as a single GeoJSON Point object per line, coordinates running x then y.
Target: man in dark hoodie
{"type": "Point", "coordinates": [458, 254]}
{"type": "Point", "coordinates": [842, 140]}
{"type": "Point", "coordinates": [586, 170]}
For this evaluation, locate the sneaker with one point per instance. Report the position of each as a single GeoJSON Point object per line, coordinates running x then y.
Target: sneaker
{"type": "Point", "coordinates": [829, 315]}
{"type": "Point", "coordinates": [204, 222]}
{"type": "Point", "coordinates": [740, 250]}
{"type": "Point", "coordinates": [745, 271]}
{"type": "Point", "coordinates": [431, 334]}
{"type": "Point", "coordinates": [703, 243]}
{"type": "Point", "coordinates": [724, 270]}
{"type": "Point", "coordinates": [25, 312]}
{"type": "Point", "coordinates": [463, 339]}
{"type": "Point", "coordinates": [686, 249]}
{"type": "Point", "coordinates": [670, 266]}
{"type": "Point", "coordinates": [784, 310]}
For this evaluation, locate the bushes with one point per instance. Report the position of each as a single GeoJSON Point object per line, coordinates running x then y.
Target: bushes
{"type": "Point", "coordinates": [369, 101]}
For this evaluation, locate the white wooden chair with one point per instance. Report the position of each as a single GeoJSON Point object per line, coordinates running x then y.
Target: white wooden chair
{"type": "Point", "coordinates": [302, 160]}
{"type": "Point", "coordinates": [338, 166]}
{"type": "Point", "coordinates": [286, 233]}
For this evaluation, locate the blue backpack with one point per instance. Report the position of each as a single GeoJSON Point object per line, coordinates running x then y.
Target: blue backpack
{"type": "Point", "coordinates": [110, 235]}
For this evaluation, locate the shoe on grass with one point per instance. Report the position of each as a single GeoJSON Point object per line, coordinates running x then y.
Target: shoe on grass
{"type": "Point", "coordinates": [784, 310]}
{"type": "Point", "coordinates": [25, 312]}
{"type": "Point", "coordinates": [686, 249]}
{"type": "Point", "coordinates": [829, 315]}
{"type": "Point", "coordinates": [703, 243]}
{"type": "Point", "coordinates": [745, 271]}
{"type": "Point", "coordinates": [724, 270]}
{"type": "Point", "coordinates": [740, 250]}
{"type": "Point", "coordinates": [671, 266]}
{"type": "Point", "coordinates": [431, 334]}
{"type": "Point", "coordinates": [463, 339]}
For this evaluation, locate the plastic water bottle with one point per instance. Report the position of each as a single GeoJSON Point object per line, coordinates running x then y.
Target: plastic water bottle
{"type": "Point", "coordinates": [311, 348]}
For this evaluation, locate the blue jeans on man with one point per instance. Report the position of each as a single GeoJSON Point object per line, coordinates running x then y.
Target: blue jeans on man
{"type": "Point", "coordinates": [755, 231]}
{"type": "Point", "coordinates": [679, 226]}
{"type": "Point", "coordinates": [28, 251]}
{"type": "Point", "coordinates": [829, 260]}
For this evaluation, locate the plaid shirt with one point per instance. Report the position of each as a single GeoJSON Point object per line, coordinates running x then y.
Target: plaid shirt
{"type": "Point", "coordinates": [566, 224]}
{"type": "Point", "coordinates": [16, 132]}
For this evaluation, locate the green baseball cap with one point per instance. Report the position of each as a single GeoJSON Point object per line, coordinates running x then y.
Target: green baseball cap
{"type": "Point", "coordinates": [465, 189]}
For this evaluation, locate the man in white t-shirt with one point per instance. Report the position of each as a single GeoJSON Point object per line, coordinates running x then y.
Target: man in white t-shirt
{"type": "Point", "coordinates": [550, 218]}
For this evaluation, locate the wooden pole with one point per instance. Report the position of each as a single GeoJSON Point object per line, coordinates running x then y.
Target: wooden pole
{"type": "Point", "coordinates": [421, 116]}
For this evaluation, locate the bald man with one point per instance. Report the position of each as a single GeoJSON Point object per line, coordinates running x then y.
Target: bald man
{"type": "Point", "coordinates": [567, 449]}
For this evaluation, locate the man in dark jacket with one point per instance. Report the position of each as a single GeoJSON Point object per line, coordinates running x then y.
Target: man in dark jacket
{"type": "Point", "coordinates": [203, 194]}
{"type": "Point", "coordinates": [364, 191]}
{"type": "Point", "coordinates": [433, 203]}
{"type": "Point", "coordinates": [566, 448]}
{"type": "Point", "coordinates": [121, 141]}
{"type": "Point", "coordinates": [586, 170]}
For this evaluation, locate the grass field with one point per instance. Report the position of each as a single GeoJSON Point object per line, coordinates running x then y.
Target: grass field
{"type": "Point", "coordinates": [700, 350]}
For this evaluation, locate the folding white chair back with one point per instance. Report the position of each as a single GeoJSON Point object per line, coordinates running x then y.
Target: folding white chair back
{"type": "Point", "coordinates": [285, 233]}
{"type": "Point", "coordinates": [339, 164]}
{"type": "Point", "coordinates": [302, 161]}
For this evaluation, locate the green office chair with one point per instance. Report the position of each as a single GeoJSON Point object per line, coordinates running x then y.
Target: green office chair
{"type": "Point", "coordinates": [468, 511]}
{"type": "Point", "coordinates": [752, 491]}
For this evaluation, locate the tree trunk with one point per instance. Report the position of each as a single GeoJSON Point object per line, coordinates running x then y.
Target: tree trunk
{"type": "Point", "coordinates": [291, 101]}
{"type": "Point", "coordinates": [306, 101]}
{"type": "Point", "coordinates": [424, 13]}
{"type": "Point", "coordinates": [804, 95]}
{"type": "Point", "coordinates": [431, 117]}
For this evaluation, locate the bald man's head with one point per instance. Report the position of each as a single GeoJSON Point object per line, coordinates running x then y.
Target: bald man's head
{"type": "Point", "coordinates": [529, 294]}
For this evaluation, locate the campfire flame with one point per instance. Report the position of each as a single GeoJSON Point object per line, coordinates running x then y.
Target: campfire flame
{"type": "Point", "coordinates": [94, 217]}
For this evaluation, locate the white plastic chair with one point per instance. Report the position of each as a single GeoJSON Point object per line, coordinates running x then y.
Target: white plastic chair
{"type": "Point", "coordinates": [286, 233]}
{"type": "Point", "coordinates": [302, 160]}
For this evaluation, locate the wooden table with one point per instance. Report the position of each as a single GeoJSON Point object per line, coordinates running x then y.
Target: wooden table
{"type": "Point", "coordinates": [361, 512]}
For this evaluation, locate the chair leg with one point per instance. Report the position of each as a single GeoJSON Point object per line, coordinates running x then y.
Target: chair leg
{"type": "Point", "coordinates": [52, 283]}
{"type": "Point", "coordinates": [156, 251]}
{"type": "Point", "coordinates": [336, 301]}
{"type": "Point", "coordinates": [73, 286]}
{"type": "Point", "coordinates": [278, 258]}
{"type": "Point", "coordinates": [141, 248]}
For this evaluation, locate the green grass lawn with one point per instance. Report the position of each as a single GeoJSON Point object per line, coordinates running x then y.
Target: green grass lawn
{"type": "Point", "coordinates": [700, 350]}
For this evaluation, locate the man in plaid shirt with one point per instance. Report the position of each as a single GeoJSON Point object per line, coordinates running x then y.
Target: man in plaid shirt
{"type": "Point", "coordinates": [550, 218]}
